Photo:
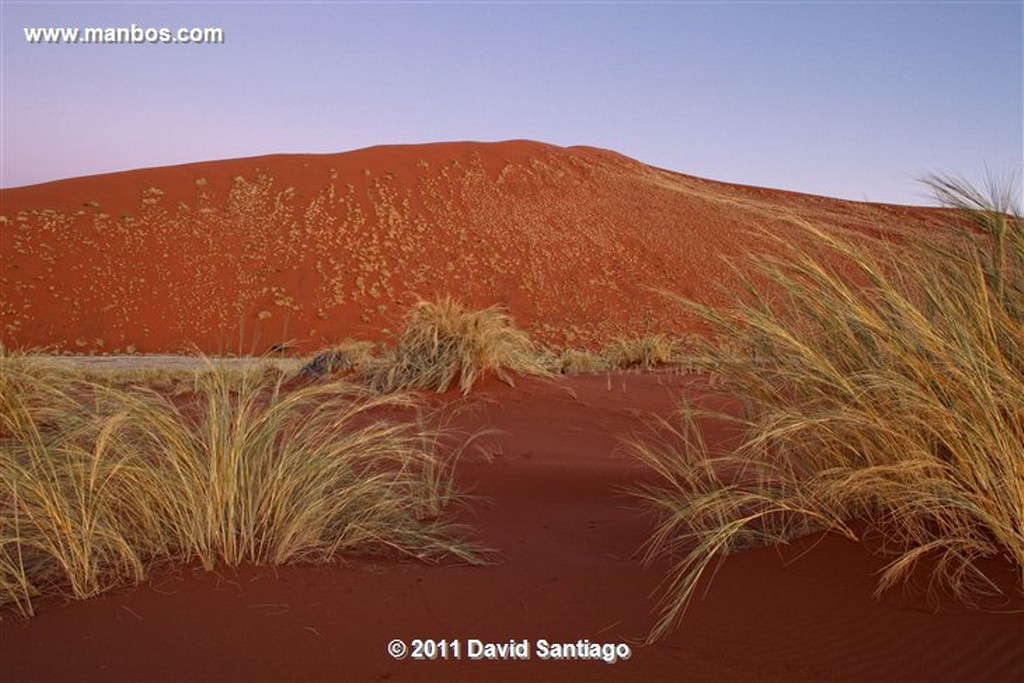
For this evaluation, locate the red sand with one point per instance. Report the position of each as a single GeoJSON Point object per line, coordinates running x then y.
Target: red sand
{"type": "Point", "coordinates": [239, 255]}
{"type": "Point", "coordinates": [570, 570]}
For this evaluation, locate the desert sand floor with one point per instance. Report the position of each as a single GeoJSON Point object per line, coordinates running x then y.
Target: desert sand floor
{"type": "Point", "coordinates": [551, 504]}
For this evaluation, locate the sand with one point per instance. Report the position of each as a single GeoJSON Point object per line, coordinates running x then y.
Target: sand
{"type": "Point", "coordinates": [569, 569]}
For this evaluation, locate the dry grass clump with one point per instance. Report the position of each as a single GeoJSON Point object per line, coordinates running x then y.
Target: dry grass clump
{"type": "Point", "coordinates": [443, 342]}
{"type": "Point", "coordinates": [897, 401]}
{"type": "Point", "coordinates": [57, 488]}
{"type": "Point", "coordinates": [578, 362]}
{"type": "Point", "coordinates": [645, 352]}
{"type": "Point", "coordinates": [165, 380]}
{"type": "Point", "coordinates": [349, 356]}
{"type": "Point", "coordinates": [98, 483]}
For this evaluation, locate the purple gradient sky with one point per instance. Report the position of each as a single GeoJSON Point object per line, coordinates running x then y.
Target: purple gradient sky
{"type": "Point", "coordinates": [854, 99]}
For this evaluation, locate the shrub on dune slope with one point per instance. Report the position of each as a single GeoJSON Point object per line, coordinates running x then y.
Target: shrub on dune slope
{"type": "Point", "coordinates": [350, 355]}
{"type": "Point", "coordinates": [443, 342]}
{"type": "Point", "coordinates": [897, 401]}
{"type": "Point", "coordinates": [645, 352]}
{"type": "Point", "coordinates": [578, 362]}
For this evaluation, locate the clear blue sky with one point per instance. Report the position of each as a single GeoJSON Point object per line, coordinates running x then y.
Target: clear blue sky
{"type": "Point", "coordinates": [848, 99]}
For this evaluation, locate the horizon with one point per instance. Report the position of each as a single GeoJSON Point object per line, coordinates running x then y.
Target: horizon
{"type": "Point", "coordinates": [843, 100]}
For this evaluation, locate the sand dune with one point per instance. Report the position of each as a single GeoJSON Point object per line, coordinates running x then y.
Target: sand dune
{"type": "Point", "coordinates": [239, 255]}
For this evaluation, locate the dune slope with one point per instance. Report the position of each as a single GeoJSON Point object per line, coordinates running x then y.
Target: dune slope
{"type": "Point", "coordinates": [239, 255]}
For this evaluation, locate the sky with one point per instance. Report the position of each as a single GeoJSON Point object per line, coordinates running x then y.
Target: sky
{"type": "Point", "coordinates": [847, 99]}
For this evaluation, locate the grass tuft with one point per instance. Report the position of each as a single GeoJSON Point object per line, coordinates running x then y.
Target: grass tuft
{"type": "Point", "coordinates": [443, 342]}
{"type": "Point", "coordinates": [577, 362]}
{"type": "Point", "coordinates": [645, 352]}
{"type": "Point", "coordinates": [348, 356]}
{"type": "Point", "coordinates": [888, 388]}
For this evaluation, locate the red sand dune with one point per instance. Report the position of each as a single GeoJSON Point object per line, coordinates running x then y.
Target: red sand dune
{"type": "Point", "coordinates": [569, 571]}
{"type": "Point", "coordinates": [235, 256]}
{"type": "Point", "coordinates": [238, 255]}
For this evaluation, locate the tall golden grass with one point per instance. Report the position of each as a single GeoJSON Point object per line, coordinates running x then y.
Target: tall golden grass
{"type": "Point", "coordinates": [887, 388]}
{"type": "Point", "coordinates": [98, 483]}
{"type": "Point", "coordinates": [443, 342]}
